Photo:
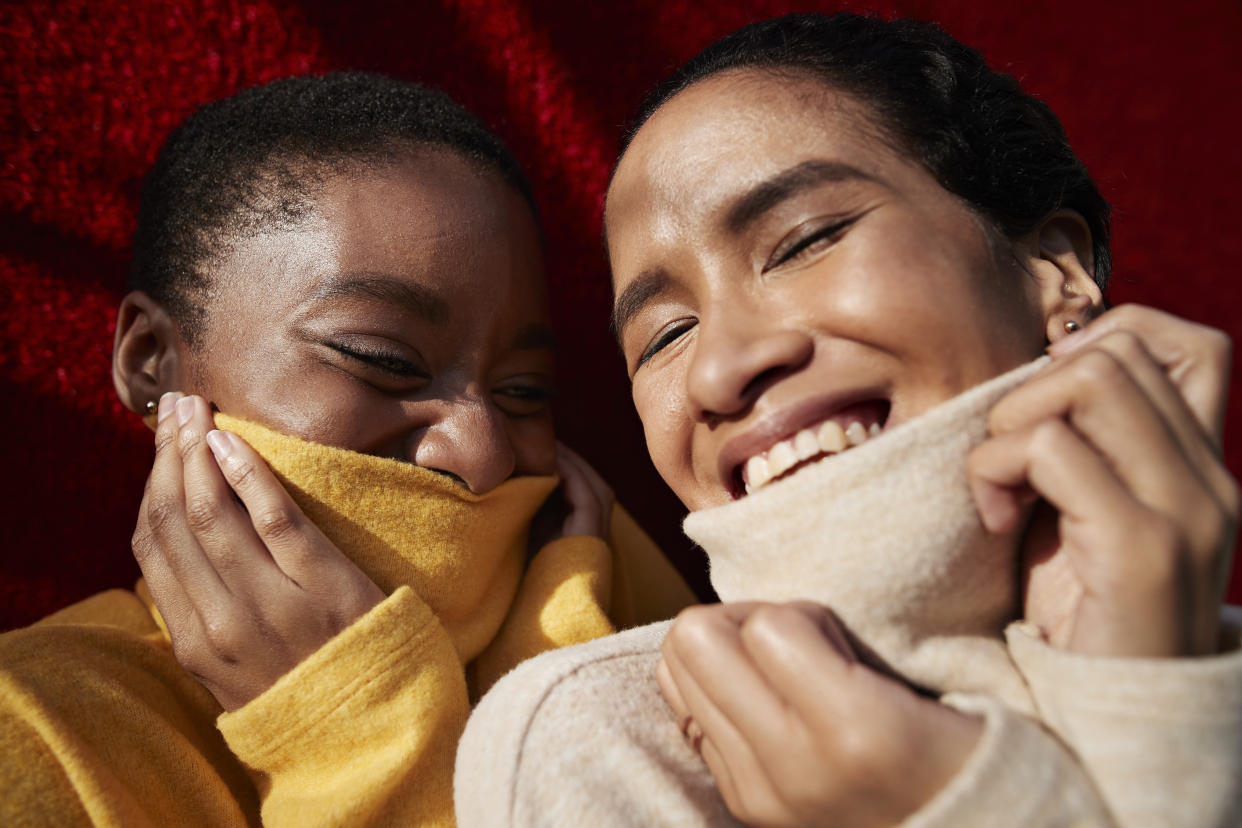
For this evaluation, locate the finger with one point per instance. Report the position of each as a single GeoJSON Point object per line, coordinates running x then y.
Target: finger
{"type": "Point", "coordinates": [297, 546]}
{"type": "Point", "coordinates": [742, 778]}
{"type": "Point", "coordinates": [1052, 459]}
{"type": "Point", "coordinates": [170, 535]}
{"type": "Point", "coordinates": [1197, 358]}
{"type": "Point", "coordinates": [587, 472]}
{"type": "Point", "coordinates": [166, 592]}
{"type": "Point", "coordinates": [590, 499]}
{"type": "Point", "coordinates": [718, 682]}
{"type": "Point", "coordinates": [1201, 449]}
{"type": "Point", "coordinates": [219, 523]}
{"type": "Point", "coordinates": [1096, 392]}
{"type": "Point", "coordinates": [747, 791]}
{"type": "Point", "coordinates": [802, 653]}
{"type": "Point", "coordinates": [668, 688]}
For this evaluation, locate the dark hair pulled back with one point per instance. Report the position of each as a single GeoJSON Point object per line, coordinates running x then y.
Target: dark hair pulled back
{"type": "Point", "coordinates": [983, 138]}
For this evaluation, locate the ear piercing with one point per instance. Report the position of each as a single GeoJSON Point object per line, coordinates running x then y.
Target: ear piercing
{"type": "Point", "coordinates": [151, 407]}
{"type": "Point", "coordinates": [1071, 326]}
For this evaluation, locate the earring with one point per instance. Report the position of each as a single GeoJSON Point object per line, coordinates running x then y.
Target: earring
{"type": "Point", "coordinates": [1071, 326]}
{"type": "Point", "coordinates": [151, 407]}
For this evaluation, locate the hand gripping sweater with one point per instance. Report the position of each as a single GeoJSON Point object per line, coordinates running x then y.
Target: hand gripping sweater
{"type": "Point", "coordinates": [887, 535]}
{"type": "Point", "coordinates": [100, 725]}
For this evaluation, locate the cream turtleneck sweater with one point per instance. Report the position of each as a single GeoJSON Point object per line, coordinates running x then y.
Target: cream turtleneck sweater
{"type": "Point", "coordinates": [887, 535]}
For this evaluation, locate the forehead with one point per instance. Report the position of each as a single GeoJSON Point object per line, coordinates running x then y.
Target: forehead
{"type": "Point", "coordinates": [434, 218]}
{"type": "Point", "coordinates": [728, 133]}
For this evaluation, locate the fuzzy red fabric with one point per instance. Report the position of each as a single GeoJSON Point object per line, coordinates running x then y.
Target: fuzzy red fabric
{"type": "Point", "coordinates": [1147, 92]}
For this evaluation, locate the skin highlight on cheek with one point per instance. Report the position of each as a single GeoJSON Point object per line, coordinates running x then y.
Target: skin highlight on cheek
{"type": "Point", "coordinates": [904, 303]}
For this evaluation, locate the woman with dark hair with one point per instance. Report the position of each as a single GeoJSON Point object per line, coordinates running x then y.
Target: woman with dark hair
{"type": "Point", "coordinates": [840, 249]}
{"type": "Point", "coordinates": [340, 277]}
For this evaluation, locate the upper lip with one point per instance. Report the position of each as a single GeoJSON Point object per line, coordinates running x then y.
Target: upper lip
{"type": "Point", "coordinates": [782, 424]}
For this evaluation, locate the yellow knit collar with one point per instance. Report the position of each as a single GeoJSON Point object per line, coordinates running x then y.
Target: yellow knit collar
{"type": "Point", "coordinates": [463, 553]}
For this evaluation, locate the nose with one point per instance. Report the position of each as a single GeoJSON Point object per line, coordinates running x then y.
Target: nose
{"type": "Point", "coordinates": [470, 442]}
{"type": "Point", "coordinates": [737, 354]}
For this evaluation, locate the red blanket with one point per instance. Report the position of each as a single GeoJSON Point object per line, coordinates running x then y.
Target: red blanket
{"type": "Point", "coordinates": [1149, 96]}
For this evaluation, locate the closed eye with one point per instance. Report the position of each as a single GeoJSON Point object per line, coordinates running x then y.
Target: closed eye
{"type": "Point", "coordinates": [665, 338]}
{"type": "Point", "coordinates": [796, 248]}
{"type": "Point", "coordinates": [524, 399]}
{"type": "Point", "coordinates": [390, 363]}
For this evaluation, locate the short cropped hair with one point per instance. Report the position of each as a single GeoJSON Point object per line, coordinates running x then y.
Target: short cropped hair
{"type": "Point", "coordinates": [253, 162]}
{"type": "Point", "coordinates": [983, 138]}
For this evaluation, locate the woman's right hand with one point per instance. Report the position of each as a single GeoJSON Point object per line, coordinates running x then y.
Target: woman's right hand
{"type": "Point", "coordinates": [246, 584]}
{"type": "Point", "coordinates": [1121, 437]}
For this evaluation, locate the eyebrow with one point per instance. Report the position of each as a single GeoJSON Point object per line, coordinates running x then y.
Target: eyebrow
{"type": "Point", "coordinates": [418, 300]}
{"type": "Point", "coordinates": [764, 196]}
{"type": "Point", "coordinates": [744, 211]}
{"type": "Point", "coordinates": [637, 294]}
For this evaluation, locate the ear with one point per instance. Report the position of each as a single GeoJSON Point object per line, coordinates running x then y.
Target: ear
{"type": "Point", "coordinates": [1059, 254]}
{"type": "Point", "coordinates": [147, 355]}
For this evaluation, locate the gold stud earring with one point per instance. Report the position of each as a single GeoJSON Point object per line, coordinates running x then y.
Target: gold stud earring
{"type": "Point", "coordinates": [151, 407]}
{"type": "Point", "coordinates": [1071, 326]}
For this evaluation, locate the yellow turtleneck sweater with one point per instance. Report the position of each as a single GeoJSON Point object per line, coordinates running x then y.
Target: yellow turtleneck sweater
{"type": "Point", "coordinates": [100, 725]}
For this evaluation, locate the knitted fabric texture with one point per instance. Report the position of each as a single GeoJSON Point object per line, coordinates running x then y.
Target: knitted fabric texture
{"type": "Point", "coordinates": [887, 535]}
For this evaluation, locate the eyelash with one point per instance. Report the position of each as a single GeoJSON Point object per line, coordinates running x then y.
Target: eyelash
{"type": "Point", "coordinates": [531, 393]}
{"type": "Point", "coordinates": [665, 339]}
{"type": "Point", "coordinates": [389, 363]}
{"type": "Point", "coordinates": [796, 250]}
{"type": "Point", "coordinates": [801, 246]}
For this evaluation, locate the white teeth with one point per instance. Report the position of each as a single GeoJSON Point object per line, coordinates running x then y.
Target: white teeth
{"type": "Point", "coordinates": [781, 457]}
{"type": "Point", "coordinates": [756, 473]}
{"type": "Point", "coordinates": [831, 437]}
{"type": "Point", "coordinates": [805, 444]}
{"type": "Point", "coordinates": [827, 438]}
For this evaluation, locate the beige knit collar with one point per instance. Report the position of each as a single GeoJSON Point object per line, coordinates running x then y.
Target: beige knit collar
{"type": "Point", "coordinates": [887, 535]}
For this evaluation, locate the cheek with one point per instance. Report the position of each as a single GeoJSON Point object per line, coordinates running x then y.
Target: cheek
{"type": "Point", "coordinates": [534, 445]}
{"type": "Point", "coordinates": [661, 405]}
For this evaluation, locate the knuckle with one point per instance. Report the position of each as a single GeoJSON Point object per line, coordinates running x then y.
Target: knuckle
{"type": "Point", "coordinates": [188, 440]}
{"type": "Point", "coordinates": [224, 638]}
{"type": "Point", "coordinates": [771, 621]}
{"type": "Point", "coordinates": [1048, 437]}
{"type": "Point", "coordinates": [164, 438]}
{"type": "Point", "coordinates": [141, 542]}
{"type": "Point", "coordinates": [240, 473]}
{"type": "Point", "coordinates": [858, 750]}
{"type": "Point", "coordinates": [202, 512]}
{"type": "Point", "coordinates": [161, 513]}
{"type": "Point", "coordinates": [1098, 368]}
{"type": "Point", "coordinates": [275, 523]}
{"type": "Point", "coordinates": [1218, 345]}
{"type": "Point", "coordinates": [1126, 344]}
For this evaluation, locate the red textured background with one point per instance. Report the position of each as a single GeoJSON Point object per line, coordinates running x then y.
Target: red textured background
{"type": "Point", "coordinates": [88, 90]}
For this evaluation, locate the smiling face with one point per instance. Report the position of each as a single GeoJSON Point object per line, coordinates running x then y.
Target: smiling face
{"type": "Point", "coordinates": [405, 317]}
{"type": "Point", "coordinates": [788, 284]}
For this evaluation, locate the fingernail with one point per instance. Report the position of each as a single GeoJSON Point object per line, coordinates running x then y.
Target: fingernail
{"type": "Point", "coordinates": [167, 401]}
{"type": "Point", "coordinates": [185, 410]}
{"type": "Point", "coordinates": [221, 445]}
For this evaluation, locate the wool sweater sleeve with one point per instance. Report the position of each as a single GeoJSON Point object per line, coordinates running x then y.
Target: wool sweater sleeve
{"type": "Point", "coordinates": [364, 730]}
{"type": "Point", "coordinates": [1162, 738]}
{"type": "Point", "coordinates": [582, 736]}
{"type": "Point", "coordinates": [1018, 774]}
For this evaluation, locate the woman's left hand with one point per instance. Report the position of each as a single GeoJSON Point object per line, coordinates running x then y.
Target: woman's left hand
{"type": "Point", "coordinates": [247, 586]}
{"type": "Point", "coordinates": [1120, 436]}
{"type": "Point", "coordinates": [795, 730]}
